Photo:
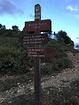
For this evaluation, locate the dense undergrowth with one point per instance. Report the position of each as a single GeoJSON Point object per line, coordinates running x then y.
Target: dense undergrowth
{"type": "Point", "coordinates": [14, 60]}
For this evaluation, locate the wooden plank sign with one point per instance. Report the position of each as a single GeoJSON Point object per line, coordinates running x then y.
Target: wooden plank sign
{"type": "Point", "coordinates": [41, 52]}
{"type": "Point", "coordinates": [35, 39]}
{"type": "Point", "coordinates": [36, 52]}
{"type": "Point", "coordinates": [41, 26]}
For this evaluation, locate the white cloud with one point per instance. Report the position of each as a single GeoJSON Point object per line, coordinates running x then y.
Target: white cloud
{"type": "Point", "coordinates": [72, 8]}
{"type": "Point", "coordinates": [8, 7]}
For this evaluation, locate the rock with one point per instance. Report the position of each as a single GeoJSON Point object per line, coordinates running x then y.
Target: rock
{"type": "Point", "coordinates": [74, 100]}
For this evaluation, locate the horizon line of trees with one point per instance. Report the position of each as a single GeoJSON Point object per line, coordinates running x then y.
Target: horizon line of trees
{"type": "Point", "coordinates": [14, 27]}
{"type": "Point", "coordinates": [63, 36]}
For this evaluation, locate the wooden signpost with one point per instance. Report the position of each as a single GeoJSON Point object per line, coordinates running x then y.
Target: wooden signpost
{"type": "Point", "coordinates": [33, 41]}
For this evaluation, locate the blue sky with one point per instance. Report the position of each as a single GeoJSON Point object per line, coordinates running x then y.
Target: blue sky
{"type": "Point", "coordinates": [63, 13]}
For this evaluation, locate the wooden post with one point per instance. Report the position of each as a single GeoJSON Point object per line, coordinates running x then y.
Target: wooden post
{"type": "Point", "coordinates": [36, 27]}
{"type": "Point", "coordinates": [37, 80]}
{"type": "Point", "coordinates": [37, 76]}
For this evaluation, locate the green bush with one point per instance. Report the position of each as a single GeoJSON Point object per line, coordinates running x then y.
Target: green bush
{"type": "Point", "coordinates": [57, 65]}
{"type": "Point", "coordinates": [11, 56]}
{"type": "Point", "coordinates": [10, 59]}
{"type": "Point", "coordinates": [46, 69]}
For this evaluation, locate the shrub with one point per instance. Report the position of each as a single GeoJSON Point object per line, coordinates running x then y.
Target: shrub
{"type": "Point", "coordinates": [57, 65]}
{"type": "Point", "coordinates": [46, 69]}
{"type": "Point", "coordinates": [11, 59]}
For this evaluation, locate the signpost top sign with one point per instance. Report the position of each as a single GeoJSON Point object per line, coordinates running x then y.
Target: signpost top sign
{"type": "Point", "coordinates": [42, 26]}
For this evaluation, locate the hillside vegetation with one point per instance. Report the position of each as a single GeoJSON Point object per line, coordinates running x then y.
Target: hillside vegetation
{"type": "Point", "coordinates": [14, 60]}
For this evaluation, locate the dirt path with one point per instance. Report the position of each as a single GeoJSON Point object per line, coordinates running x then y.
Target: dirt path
{"type": "Point", "coordinates": [66, 76]}
{"type": "Point", "coordinates": [62, 79]}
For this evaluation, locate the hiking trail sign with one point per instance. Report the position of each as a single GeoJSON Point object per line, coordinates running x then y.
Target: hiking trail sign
{"type": "Point", "coordinates": [34, 38]}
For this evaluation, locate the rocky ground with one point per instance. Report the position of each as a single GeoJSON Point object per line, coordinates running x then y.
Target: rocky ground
{"type": "Point", "coordinates": [61, 89]}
